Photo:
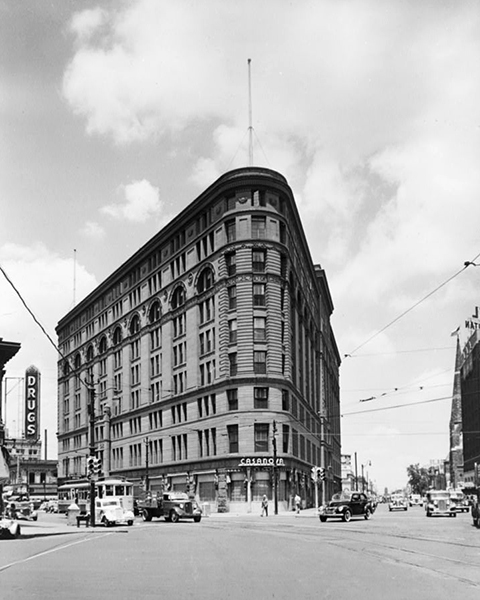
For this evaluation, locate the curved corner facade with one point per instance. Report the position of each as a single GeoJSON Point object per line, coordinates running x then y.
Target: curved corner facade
{"type": "Point", "coordinates": [211, 354]}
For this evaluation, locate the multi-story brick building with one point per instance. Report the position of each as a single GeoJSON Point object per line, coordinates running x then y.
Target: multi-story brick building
{"type": "Point", "coordinates": [210, 351]}
{"type": "Point", "coordinates": [470, 391]}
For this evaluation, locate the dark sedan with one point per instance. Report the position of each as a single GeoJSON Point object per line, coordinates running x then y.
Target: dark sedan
{"type": "Point", "coordinates": [346, 505]}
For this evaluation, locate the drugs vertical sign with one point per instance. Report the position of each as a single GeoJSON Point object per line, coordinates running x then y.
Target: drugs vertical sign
{"type": "Point", "coordinates": [32, 403]}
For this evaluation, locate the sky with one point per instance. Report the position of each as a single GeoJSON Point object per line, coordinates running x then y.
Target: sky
{"type": "Point", "coordinates": [115, 115]}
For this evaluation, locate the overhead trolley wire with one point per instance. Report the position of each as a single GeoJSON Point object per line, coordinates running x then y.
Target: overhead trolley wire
{"type": "Point", "coordinates": [405, 312]}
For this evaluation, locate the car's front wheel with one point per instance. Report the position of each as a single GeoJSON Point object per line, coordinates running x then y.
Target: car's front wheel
{"type": "Point", "coordinates": [323, 518]}
{"type": "Point", "coordinates": [368, 514]}
{"type": "Point", "coordinates": [347, 515]}
{"type": "Point", "coordinates": [146, 516]}
{"type": "Point", "coordinates": [197, 519]}
{"type": "Point", "coordinates": [174, 516]}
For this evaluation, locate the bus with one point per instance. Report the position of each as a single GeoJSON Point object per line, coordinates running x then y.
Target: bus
{"type": "Point", "coordinates": [79, 492]}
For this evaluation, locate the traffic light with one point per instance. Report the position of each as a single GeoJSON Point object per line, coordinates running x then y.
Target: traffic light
{"type": "Point", "coordinates": [97, 466]}
{"type": "Point", "coordinates": [314, 474]}
{"type": "Point", "coordinates": [323, 474]}
{"type": "Point", "coordinates": [90, 465]}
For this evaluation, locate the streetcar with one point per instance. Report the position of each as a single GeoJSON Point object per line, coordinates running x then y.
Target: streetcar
{"type": "Point", "coordinates": [79, 492]}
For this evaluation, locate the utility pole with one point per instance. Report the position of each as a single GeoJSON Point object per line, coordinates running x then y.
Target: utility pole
{"type": "Point", "coordinates": [91, 410]}
{"type": "Point", "coordinates": [275, 491]}
{"type": "Point", "coordinates": [147, 479]}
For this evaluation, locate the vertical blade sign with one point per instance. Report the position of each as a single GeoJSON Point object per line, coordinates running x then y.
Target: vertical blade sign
{"type": "Point", "coordinates": [32, 403]}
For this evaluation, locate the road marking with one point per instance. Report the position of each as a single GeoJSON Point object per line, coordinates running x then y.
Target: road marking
{"type": "Point", "coordinates": [45, 552]}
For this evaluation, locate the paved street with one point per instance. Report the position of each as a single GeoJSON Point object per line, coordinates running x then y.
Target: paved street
{"type": "Point", "coordinates": [396, 555]}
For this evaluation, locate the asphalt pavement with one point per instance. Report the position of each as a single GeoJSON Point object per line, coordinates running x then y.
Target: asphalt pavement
{"type": "Point", "coordinates": [59, 524]}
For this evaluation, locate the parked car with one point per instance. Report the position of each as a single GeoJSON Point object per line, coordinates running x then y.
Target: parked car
{"type": "Point", "coordinates": [345, 505]}
{"type": "Point", "coordinates": [397, 502]}
{"type": "Point", "coordinates": [440, 503]}
{"type": "Point", "coordinates": [20, 507]}
{"type": "Point", "coordinates": [109, 511]}
{"type": "Point", "coordinates": [173, 506]}
{"type": "Point", "coordinates": [460, 501]}
{"type": "Point", "coordinates": [9, 528]}
{"type": "Point", "coordinates": [415, 500]}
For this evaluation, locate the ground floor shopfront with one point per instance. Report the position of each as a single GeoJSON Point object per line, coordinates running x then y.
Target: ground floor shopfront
{"type": "Point", "coordinates": [236, 485]}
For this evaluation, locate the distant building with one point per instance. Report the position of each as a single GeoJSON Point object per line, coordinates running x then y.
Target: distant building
{"type": "Point", "coordinates": [7, 351]}
{"type": "Point", "coordinates": [210, 351]}
{"type": "Point", "coordinates": [29, 473]}
{"type": "Point", "coordinates": [455, 458]}
{"type": "Point", "coordinates": [470, 394]}
{"type": "Point", "coordinates": [349, 481]}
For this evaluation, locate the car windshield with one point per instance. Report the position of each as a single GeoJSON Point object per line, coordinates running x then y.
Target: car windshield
{"type": "Point", "coordinates": [439, 495]}
{"type": "Point", "coordinates": [110, 503]}
{"type": "Point", "coordinates": [178, 496]}
{"type": "Point", "coordinates": [342, 496]}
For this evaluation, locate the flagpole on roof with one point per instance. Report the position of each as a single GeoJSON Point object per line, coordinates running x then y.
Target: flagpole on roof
{"type": "Point", "coordinates": [250, 126]}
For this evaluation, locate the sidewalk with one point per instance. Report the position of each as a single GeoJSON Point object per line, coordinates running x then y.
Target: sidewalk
{"type": "Point", "coordinates": [58, 525]}
{"type": "Point", "coordinates": [305, 513]}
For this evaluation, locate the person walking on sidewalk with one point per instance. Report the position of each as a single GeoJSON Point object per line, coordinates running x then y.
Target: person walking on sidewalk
{"type": "Point", "coordinates": [298, 501]}
{"type": "Point", "coordinates": [264, 506]}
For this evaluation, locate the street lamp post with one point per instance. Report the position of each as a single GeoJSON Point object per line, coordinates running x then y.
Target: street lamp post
{"type": "Point", "coordinates": [91, 410]}
{"type": "Point", "coordinates": [275, 490]}
{"type": "Point", "coordinates": [147, 480]}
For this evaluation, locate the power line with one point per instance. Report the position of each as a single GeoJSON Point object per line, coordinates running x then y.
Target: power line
{"type": "Point", "coordinates": [30, 311]}
{"type": "Point", "coordinates": [361, 412]}
{"type": "Point", "coordinates": [465, 266]}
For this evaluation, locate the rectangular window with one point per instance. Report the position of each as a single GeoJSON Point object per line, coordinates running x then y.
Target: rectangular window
{"type": "Point", "coordinates": [231, 262]}
{"type": "Point", "coordinates": [200, 443]}
{"type": "Point", "coordinates": [156, 338]}
{"type": "Point", "coordinates": [231, 231]}
{"type": "Point", "coordinates": [259, 227]}
{"type": "Point", "coordinates": [259, 329]}
{"type": "Point", "coordinates": [258, 294]}
{"type": "Point", "coordinates": [232, 331]}
{"type": "Point", "coordinates": [232, 431]}
{"type": "Point", "coordinates": [232, 297]}
{"type": "Point", "coordinates": [285, 400]}
{"type": "Point", "coordinates": [261, 437]}
{"type": "Point", "coordinates": [260, 397]}
{"type": "Point", "coordinates": [135, 350]}
{"type": "Point", "coordinates": [259, 362]}
{"type": "Point", "coordinates": [117, 359]}
{"type": "Point", "coordinates": [232, 357]}
{"type": "Point", "coordinates": [179, 325]}
{"type": "Point", "coordinates": [285, 436]}
{"type": "Point", "coordinates": [206, 310]}
{"type": "Point", "coordinates": [258, 261]}
{"type": "Point", "coordinates": [232, 399]}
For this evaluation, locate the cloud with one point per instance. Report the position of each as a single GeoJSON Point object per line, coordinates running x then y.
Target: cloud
{"type": "Point", "coordinates": [86, 23]}
{"type": "Point", "coordinates": [93, 230]}
{"type": "Point", "coordinates": [141, 202]}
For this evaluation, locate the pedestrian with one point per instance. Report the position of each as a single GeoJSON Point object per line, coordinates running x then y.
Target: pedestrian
{"type": "Point", "coordinates": [298, 500]}
{"type": "Point", "coordinates": [264, 506]}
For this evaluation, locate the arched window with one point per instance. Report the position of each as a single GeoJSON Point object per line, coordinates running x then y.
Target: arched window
{"type": "Point", "coordinates": [178, 297]}
{"type": "Point", "coordinates": [90, 353]}
{"type": "Point", "coordinates": [155, 312]}
{"type": "Point", "coordinates": [102, 347]}
{"type": "Point", "coordinates": [205, 280]}
{"type": "Point", "coordinates": [78, 361]}
{"type": "Point", "coordinates": [134, 325]}
{"type": "Point", "coordinates": [117, 336]}
{"type": "Point", "coordinates": [66, 368]}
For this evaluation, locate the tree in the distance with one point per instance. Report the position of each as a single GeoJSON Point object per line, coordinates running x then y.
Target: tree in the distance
{"type": "Point", "coordinates": [418, 479]}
